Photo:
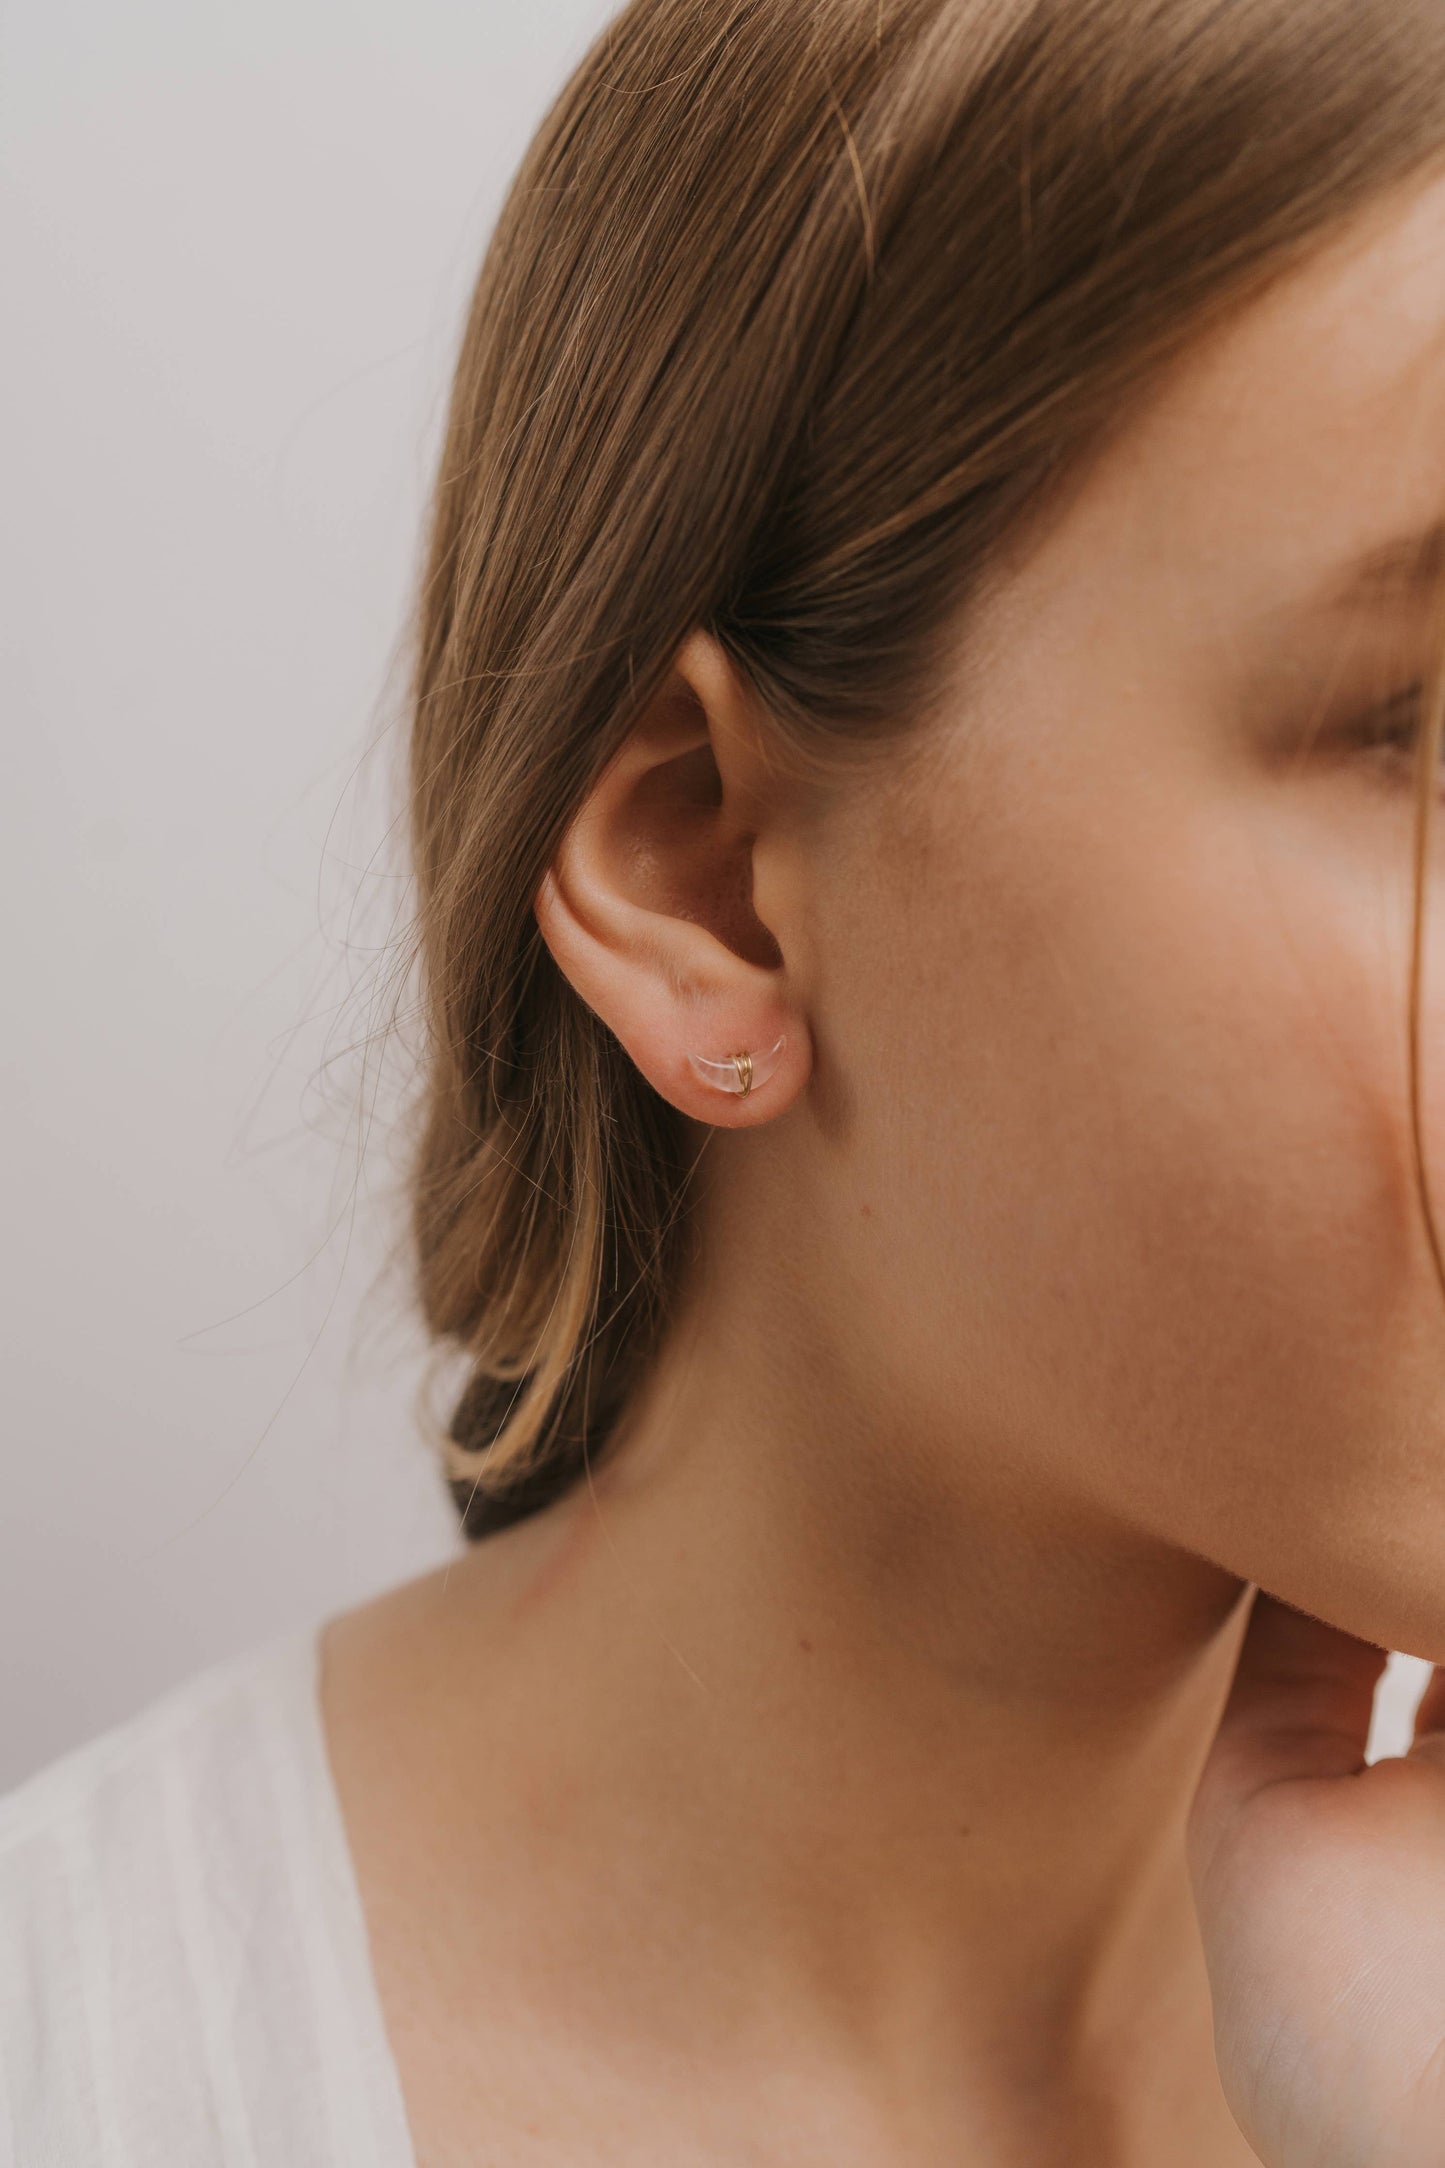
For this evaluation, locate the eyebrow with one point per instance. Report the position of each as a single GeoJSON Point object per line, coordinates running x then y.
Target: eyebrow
{"type": "Point", "coordinates": [1407, 565]}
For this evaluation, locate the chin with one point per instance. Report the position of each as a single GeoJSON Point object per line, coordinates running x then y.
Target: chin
{"type": "Point", "coordinates": [1390, 1592]}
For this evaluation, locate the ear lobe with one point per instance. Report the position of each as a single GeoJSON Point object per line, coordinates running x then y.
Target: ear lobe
{"type": "Point", "coordinates": [648, 910]}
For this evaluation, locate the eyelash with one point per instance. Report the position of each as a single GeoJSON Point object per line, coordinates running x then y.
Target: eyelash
{"type": "Point", "coordinates": [1394, 728]}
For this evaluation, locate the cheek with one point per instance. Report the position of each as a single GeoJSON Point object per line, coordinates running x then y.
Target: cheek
{"type": "Point", "coordinates": [1133, 1135]}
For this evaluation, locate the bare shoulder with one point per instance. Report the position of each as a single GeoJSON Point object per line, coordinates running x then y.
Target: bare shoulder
{"type": "Point", "coordinates": [427, 1698]}
{"type": "Point", "coordinates": [396, 1665]}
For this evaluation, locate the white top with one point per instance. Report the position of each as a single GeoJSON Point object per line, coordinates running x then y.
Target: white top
{"type": "Point", "coordinates": [185, 1978]}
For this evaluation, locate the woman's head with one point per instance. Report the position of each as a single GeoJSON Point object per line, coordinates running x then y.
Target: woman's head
{"type": "Point", "coordinates": [878, 597]}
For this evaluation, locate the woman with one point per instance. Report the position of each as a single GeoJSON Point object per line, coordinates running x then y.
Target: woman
{"type": "Point", "coordinates": [928, 695]}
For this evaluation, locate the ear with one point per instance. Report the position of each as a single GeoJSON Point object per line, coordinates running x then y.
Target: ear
{"type": "Point", "coordinates": [652, 906]}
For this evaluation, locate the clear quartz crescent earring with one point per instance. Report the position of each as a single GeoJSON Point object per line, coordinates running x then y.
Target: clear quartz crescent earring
{"type": "Point", "coordinates": [740, 1073]}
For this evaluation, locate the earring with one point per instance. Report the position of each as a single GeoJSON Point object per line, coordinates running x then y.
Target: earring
{"type": "Point", "coordinates": [740, 1072]}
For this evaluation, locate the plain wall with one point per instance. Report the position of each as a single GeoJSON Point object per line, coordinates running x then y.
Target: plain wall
{"type": "Point", "coordinates": [237, 248]}
{"type": "Point", "coordinates": [237, 245]}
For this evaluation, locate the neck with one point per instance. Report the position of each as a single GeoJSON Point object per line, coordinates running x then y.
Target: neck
{"type": "Point", "coordinates": [907, 1739]}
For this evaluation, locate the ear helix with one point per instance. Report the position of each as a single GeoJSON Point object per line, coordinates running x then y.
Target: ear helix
{"type": "Point", "coordinates": [740, 1073]}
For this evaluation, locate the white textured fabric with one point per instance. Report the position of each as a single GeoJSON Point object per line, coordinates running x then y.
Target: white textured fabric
{"type": "Point", "coordinates": [185, 1979]}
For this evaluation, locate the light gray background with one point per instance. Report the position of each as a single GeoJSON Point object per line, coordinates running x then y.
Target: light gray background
{"type": "Point", "coordinates": [237, 244]}
{"type": "Point", "coordinates": [237, 248]}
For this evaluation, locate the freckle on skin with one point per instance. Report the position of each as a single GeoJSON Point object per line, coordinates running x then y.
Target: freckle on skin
{"type": "Point", "coordinates": [867, 1211]}
{"type": "Point", "coordinates": [805, 1643]}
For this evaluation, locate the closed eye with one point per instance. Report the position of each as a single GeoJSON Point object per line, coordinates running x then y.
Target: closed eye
{"type": "Point", "coordinates": [1393, 727]}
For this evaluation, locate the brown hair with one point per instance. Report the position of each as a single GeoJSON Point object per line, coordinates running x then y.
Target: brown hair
{"type": "Point", "coordinates": [796, 313]}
